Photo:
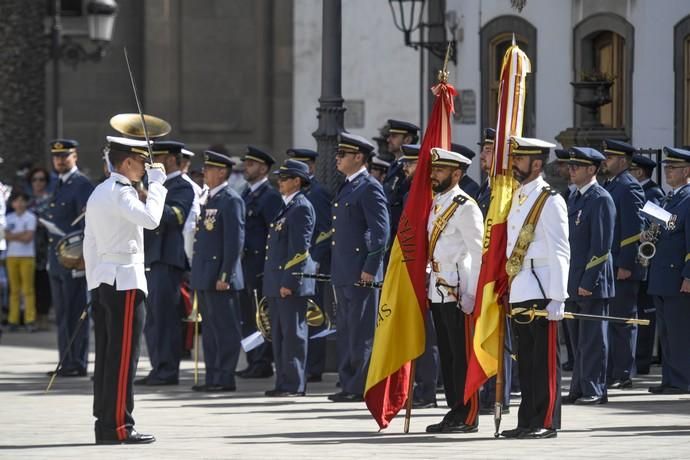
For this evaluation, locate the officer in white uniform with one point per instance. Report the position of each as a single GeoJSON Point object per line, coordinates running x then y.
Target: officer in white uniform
{"type": "Point", "coordinates": [190, 224]}
{"type": "Point", "coordinates": [540, 281]}
{"type": "Point", "coordinates": [114, 257]}
{"type": "Point", "coordinates": [455, 230]}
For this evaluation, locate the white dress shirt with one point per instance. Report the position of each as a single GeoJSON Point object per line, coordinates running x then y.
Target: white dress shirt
{"type": "Point", "coordinates": [114, 232]}
{"type": "Point", "coordinates": [458, 252]}
{"type": "Point", "coordinates": [550, 249]}
{"type": "Point", "coordinates": [354, 176]}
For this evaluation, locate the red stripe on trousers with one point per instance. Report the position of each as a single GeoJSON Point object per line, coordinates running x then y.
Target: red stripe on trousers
{"type": "Point", "coordinates": [474, 406]}
{"type": "Point", "coordinates": [124, 365]}
{"type": "Point", "coordinates": [548, 420]}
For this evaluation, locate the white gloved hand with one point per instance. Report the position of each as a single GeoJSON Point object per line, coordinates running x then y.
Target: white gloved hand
{"type": "Point", "coordinates": [467, 304]}
{"type": "Point", "coordinates": [555, 310]}
{"type": "Point", "coordinates": [156, 173]}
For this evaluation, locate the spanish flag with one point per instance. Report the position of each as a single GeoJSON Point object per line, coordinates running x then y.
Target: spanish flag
{"type": "Point", "coordinates": [493, 279]}
{"type": "Point", "coordinates": [400, 336]}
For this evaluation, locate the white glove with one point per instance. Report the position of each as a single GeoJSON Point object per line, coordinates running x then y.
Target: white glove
{"type": "Point", "coordinates": [156, 173]}
{"type": "Point", "coordinates": [555, 310]}
{"type": "Point", "coordinates": [467, 304]}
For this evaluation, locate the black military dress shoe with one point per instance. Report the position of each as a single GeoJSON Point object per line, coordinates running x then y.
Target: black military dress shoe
{"type": "Point", "coordinates": [283, 394]}
{"type": "Point", "coordinates": [447, 426]}
{"type": "Point", "coordinates": [133, 437]}
{"type": "Point", "coordinates": [345, 397]}
{"type": "Point", "coordinates": [620, 384]}
{"type": "Point", "coordinates": [257, 372]}
{"type": "Point", "coordinates": [667, 390]}
{"type": "Point", "coordinates": [540, 433]}
{"type": "Point", "coordinates": [590, 400]}
{"type": "Point", "coordinates": [141, 381]}
{"type": "Point", "coordinates": [515, 433]}
{"type": "Point", "coordinates": [220, 388]}
{"type": "Point", "coordinates": [152, 381]}
{"type": "Point", "coordinates": [569, 400]}
{"type": "Point", "coordinates": [68, 373]}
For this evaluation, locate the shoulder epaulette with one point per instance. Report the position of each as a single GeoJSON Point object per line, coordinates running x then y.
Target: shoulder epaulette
{"type": "Point", "coordinates": [460, 199]}
{"type": "Point", "coordinates": [551, 191]}
{"type": "Point", "coordinates": [123, 184]}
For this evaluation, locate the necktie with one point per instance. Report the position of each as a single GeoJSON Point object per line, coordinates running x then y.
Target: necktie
{"type": "Point", "coordinates": [245, 192]}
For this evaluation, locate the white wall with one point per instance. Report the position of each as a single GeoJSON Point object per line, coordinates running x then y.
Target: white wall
{"type": "Point", "coordinates": [377, 67]}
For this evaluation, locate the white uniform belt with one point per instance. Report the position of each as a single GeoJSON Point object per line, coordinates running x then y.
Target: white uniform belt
{"type": "Point", "coordinates": [536, 263]}
{"type": "Point", "coordinates": [122, 259]}
{"type": "Point", "coordinates": [438, 267]}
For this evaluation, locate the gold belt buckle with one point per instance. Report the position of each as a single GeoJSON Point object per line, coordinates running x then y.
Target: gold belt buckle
{"type": "Point", "coordinates": [435, 266]}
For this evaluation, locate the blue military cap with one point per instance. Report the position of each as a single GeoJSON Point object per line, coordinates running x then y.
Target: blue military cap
{"type": "Point", "coordinates": [63, 146]}
{"type": "Point", "coordinates": [379, 163]}
{"type": "Point", "coordinates": [585, 156]}
{"type": "Point", "coordinates": [303, 154]}
{"type": "Point", "coordinates": [218, 160]}
{"type": "Point", "coordinates": [256, 154]}
{"type": "Point", "coordinates": [562, 155]}
{"type": "Point", "coordinates": [614, 147]}
{"type": "Point", "coordinates": [293, 168]}
{"type": "Point", "coordinates": [402, 127]}
{"type": "Point", "coordinates": [352, 143]}
{"type": "Point", "coordinates": [643, 161]}
{"type": "Point", "coordinates": [187, 153]}
{"type": "Point", "coordinates": [166, 147]}
{"type": "Point", "coordinates": [676, 155]}
{"type": "Point", "coordinates": [529, 146]}
{"type": "Point", "coordinates": [464, 151]}
{"type": "Point", "coordinates": [488, 136]}
{"type": "Point", "coordinates": [127, 145]}
{"type": "Point", "coordinates": [410, 152]}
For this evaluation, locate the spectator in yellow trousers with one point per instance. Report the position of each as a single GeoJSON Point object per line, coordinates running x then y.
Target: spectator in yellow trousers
{"type": "Point", "coordinates": [21, 261]}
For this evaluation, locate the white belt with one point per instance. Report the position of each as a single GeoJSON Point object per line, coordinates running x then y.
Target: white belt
{"type": "Point", "coordinates": [122, 259]}
{"type": "Point", "coordinates": [538, 263]}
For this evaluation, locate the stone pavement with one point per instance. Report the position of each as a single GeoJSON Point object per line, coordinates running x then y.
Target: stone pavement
{"type": "Point", "coordinates": [248, 425]}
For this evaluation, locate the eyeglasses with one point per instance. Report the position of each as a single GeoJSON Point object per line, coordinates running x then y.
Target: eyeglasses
{"type": "Point", "coordinates": [342, 153]}
{"type": "Point", "coordinates": [39, 179]}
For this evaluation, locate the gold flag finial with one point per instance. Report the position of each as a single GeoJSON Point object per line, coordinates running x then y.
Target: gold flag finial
{"type": "Point", "coordinates": [443, 73]}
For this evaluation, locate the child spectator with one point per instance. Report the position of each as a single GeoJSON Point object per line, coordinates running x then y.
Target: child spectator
{"type": "Point", "coordinates": [21, 261]}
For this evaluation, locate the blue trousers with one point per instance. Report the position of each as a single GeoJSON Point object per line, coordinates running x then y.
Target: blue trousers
{"type": "Point", "coordinates": [356, 320]}
{"type": "Point", "coordinates": [69, 298]}
{"type": "Point", "coordinates": [589, 342]}
{"type": "Point", "coordinates": [221, 335]}
{"type": "Point", "coordinates": [289, 339]}
{"type": "Point", "coordinates": [427, 366]}
{"type": "Point", "coordinates": [646, 334]}
{"type": "Point", "coordinates": [673, 318]}
{"type": "Point", "coordinates": [163, 316]}
{"type": "Point", "coordinates": [316, 357]}
{"type": "Point", "coordinates": [622, 338]}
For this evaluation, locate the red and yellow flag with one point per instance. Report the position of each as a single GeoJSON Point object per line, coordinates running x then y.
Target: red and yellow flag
{"type": "Point", "coordinates": [493, 279]}
{"type": "Point", "coordinates": [400, 333]}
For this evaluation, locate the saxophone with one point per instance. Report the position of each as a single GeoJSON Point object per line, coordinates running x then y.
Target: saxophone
{"type": "Point", "coordinates": [647, 249]}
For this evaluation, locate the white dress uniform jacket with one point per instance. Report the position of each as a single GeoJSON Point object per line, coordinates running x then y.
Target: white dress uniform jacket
{"type": "Point", "coordinates": [550, 249]}
{"type": "Point", "coordinates": [458, 252]}
{"type": "Point", "coordinates": [114, 232]}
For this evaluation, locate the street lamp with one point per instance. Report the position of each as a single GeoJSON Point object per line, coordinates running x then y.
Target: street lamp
{"type": "Point", "coordinates": [101, 18]}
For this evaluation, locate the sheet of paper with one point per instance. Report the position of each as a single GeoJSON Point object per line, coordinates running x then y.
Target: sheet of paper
{"type": "Point", "coordinates": [252, 341]}
{"type": "Point", "coordinates": [656, 213]}
{"type": "Point", "coordinates": [51, 227]}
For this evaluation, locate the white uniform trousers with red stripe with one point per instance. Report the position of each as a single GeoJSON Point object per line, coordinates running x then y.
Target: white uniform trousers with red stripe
{"type": "Point", "coordinates": [118, 320]}
{"type": "Point", "coordinates": [539, 366]}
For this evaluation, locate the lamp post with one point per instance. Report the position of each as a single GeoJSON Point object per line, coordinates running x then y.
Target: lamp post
{"type": "Point", "coordinates": [407, 17]}
{"type": "Point", "coordinates": [101, 18]}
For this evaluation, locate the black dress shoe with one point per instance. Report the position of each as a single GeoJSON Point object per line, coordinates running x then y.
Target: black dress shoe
{"type": "Point", "coordinates": [446, 426]}
{"type": "Point", "coordinates": [346, 397]}
{"type": "Point", "coordinates": [311, 378]}
{"type": "Point", "coordinates": [152, 381]}
{"type": "Point", "coordinates": [133, 437]}
{"type": "Point", "coordinates": [569, 399]}
{"type": "Point", "coordinates": [590, 400]}
{"type": "Point", "coordinates": [219, 388]}
{"type": "Point", "coordinates": [283, 394]}
{"type": "Point", "coordinates": [667, 390]}
{"type": "Point", "coordinates": [243, 371]}
{"type": "Point", "coordinates": [72, 373]}
{"type": "Point", "coordinates": [515, 432]}
{"type": "Point", "coordinates": [540, 433]}
{"type": "Point", "coordinates": [200, 388]}
{"type": "Point", "coordinates": [141, 381]}
{"type": "Point", "coordinates": [419, 404]}
{"type": "Point", "coordinates": [620, 384]}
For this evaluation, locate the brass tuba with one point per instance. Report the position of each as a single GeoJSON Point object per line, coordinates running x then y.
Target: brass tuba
{"type": "Point", "coordinates": [316, 317]}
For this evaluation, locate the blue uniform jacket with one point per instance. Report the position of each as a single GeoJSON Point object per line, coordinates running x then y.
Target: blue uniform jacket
{"type": "Point", "coordinates": [653, 193]}
{"type": "Point", "coordinates": [68, 202]}
{"type": "Point", "coordinates": [320, 199]}
{"type": "Point", "coordinates": [395, 185]}
{"type": "Point", "coordinates": [289, 239]}
{"type": "Point", "coordinates": [218, 243]}
{"type": "Point", "coordinates": [628, 197]}
{"type": "Point", "coordinates": [484, 197]}
{"type": "Point", "coordinates": [166, 244]}
{"type": "Point", "coordinates": [671, 263]}
{"type": "Point", "coordinates": [469, 186]}
{"type": "Point", "coordinates": [262, 205]}
{"type": "Point", "coordinates": [360, 230]}
{"type": "Point", "coordinates": [591, 220]}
